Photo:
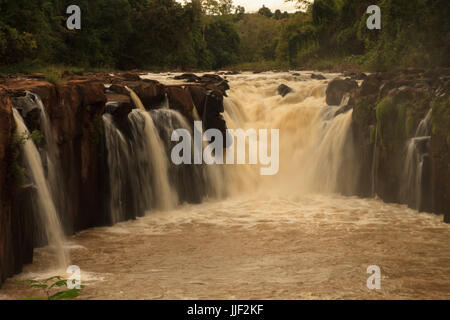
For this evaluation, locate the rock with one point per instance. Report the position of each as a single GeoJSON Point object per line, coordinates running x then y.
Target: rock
{"type": "Point", "coordinates": [180, 100]}
{"type": "Point", "coordinates": [370, 85]}
{"type": "Point", "coordinates": [30, 111]}
{"type": "Point", "coordinates": [130, 76]}
{"type": "Point", "coordinates": [337, 88]}
{"type": "Point", "coordinates": [118, 109]}
{"type": "Point", "coordinates": [198, 94]}
{"type": "Point", "coordinates": [283, 90]}
{"type": "Point", "coordinates": [223, 86]}
{"type": "Point", "coordinates": [118, 89]}
{"type": "Point", "coordinates": [151, 93]}
{"type": "Point", "coordinates": [317, 76]}
{"type": "Point", "coordinates": [189, 77]}
{"type": "Point", "coordinates": [212, 118]}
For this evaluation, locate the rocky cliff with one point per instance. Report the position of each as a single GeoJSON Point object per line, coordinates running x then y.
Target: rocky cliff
{"type": "Point", "coordinates": [401, 128]}
{"type": "Point", "coordinates": [74, 108]}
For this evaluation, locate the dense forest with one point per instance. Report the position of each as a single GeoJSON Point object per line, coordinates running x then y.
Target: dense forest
{"type": "Point", "coordinates": [213, 34]}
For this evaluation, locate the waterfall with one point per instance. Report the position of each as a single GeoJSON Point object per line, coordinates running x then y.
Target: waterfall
{"type": "Point", "coordinates": [138, 168]}
{"type": "Point", "coordinates": [149, 152]}
{"type": "Point", "coordinates": [316, 145]}
{"type": "Point", "coordinates": [416, 151]}
{"type": "Point", "coordinates": [328, 166]}
{"type": "Point", "coordinates": [120, 167]}
{"type": "Point", "coordinates": [48, 217]}
{"type": "Point", "coordinates": [136, 100]}
{"type": "Point", "coordinates": [193, 182]}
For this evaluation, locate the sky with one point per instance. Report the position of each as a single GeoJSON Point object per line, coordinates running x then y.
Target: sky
{"type": "Point", "coordinates": [254, 5]}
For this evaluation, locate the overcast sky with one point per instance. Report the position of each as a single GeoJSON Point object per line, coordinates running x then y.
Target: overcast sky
{"type": "Point", "coordinates": [254, 5]}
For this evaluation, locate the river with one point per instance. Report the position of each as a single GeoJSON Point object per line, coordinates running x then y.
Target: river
{"type": "Point", "coordinates": [287, 236]}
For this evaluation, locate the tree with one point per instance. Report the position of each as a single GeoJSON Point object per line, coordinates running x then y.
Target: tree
{"type": "Point", "coordinates": [278, 14]}
{"type": "Point", "coordinates": [265, 11]}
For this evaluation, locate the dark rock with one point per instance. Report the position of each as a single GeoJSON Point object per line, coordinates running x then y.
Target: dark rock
{"type": "Point", "coordinates": [180, 100]}
{"type": "Point", "coordinates": [189, 77]}
{"type": "Point", "coordinates": [130, 76]}
{"type": "Point", "coordinates": [336, 90]}
{"type": "Point", "coordinates": [30, 111]}
{"type": "Point", "coordinates": [118, 89]}
{"type": "Point", "coordinates": [151, 93]}
{"type": "Point", "coordinates": [317, 76]}
{"type": "Point", "coordinates": [118, 110]}
{"type": "Point", "coordinates": [283, 90]}
{"type": "Point", "coordinates": [370, 85]}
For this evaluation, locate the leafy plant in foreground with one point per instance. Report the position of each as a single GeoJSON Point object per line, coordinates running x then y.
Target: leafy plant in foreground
{"type": "Point", "coordinates": [49, 285]}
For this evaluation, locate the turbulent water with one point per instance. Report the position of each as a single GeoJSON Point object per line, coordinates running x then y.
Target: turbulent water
{"type": "Point", "coordinates": [287, 236]}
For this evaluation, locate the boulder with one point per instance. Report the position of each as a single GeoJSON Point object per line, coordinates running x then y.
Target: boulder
{"type": "Point", "coordinates": [198, 94]}
{"type": "Point", "coordinates": [370, 85]}
{"type": "Point", "coordinates": [337, 88]}
{"type": "Point", "coordinates": [117, 88]}
{"type": "Point", "coordinates": [189, 77]}
{"type": "Point", "coordinates": [151, 93]}
{"type": "Point", "coordinates": [180, 100]}
{"type": "Point", "coordinates": [317, 76]}
{"type": "Point", "coordinates": [283, 90]}
{"type": "Point", "coordinates": [30, 111]}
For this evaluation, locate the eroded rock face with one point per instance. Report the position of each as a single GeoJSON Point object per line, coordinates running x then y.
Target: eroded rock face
{"type": "Point", "coordinates": [387, 110]}
{"type": "Point", "coordinates": [337, 88]}
{"type": "Point", "coordinates": [180, 100]}
{"type": "Point", "coordinates": [151, 93]}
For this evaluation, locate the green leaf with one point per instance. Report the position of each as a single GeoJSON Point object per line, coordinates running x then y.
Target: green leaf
{"type": "Point", "coordinates": [68, 294]}
{"type": "Point", "coordinates": [52, 278]}
{"type": "Point", "coordinates": [39, 286]}
{"type": "Point", "coordinates": [59, 283]}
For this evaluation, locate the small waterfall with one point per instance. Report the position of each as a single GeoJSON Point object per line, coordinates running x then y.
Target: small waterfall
{"type": "Point", "coordinates": [138, 170]}
{"type": "Point", "coordinates": [48, 216]}
{"type": "Point", "coordinates": [120, 167]}
{"type": "Point", "coordinates": [136, 100]}
{"type": "Point", "coordinates": [329, 162]}
{"type": "Point", "coordinates": [150, 153]}
{"type": "Point", "coordinates": [416, 150]}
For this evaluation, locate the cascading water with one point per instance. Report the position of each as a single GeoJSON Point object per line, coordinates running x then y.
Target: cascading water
{"type": "Point", "coordinates": [149, 152]}
{"type": "Point", "coordinates": [193, 182]}
{"type": "Point", "coordinates": [48, 217]}
{"type": "Point", "coordinates": [138, 168]}
{"type": "Point", "coordinates": [416, 152]}
{"type": "Point", "coordinates": [136, 100]}
{"type": "Point", "coordinates": [316, 148]}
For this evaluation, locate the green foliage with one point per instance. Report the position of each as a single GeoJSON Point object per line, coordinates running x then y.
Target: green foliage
{"type": "Point", "coordinates": [48, 286]}
{"type": "Point", "coordinates": [54, 77]}
{"type": "Point", "coordinates": [15, 170]}
{"type": "Point", "coordinates": [440, 117]}
{"type": "Point", "coordinates": [165, 34]}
